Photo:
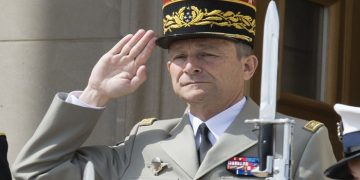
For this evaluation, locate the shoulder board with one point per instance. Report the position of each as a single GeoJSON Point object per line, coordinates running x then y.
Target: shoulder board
{"type": "Point", "coordinates": [2, 134]}
{"type": "Point", "coordinates": [313, 125]}
{"type": "Point", "coordinates": [147, 121]}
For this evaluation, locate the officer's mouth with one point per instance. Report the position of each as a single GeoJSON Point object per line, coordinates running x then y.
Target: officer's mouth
{"type": "Point", "coordinates": [193, 83]}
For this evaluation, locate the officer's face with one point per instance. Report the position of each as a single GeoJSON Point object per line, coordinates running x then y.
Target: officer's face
{"type": "Point", "coordinates": [208, 71]}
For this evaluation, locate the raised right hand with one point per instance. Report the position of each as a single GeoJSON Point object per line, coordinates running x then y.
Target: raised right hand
{"type": "Point", "coordinates": [121, 70]}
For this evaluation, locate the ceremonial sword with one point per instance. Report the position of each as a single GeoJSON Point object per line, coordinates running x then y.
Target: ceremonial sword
{"type": "Point", "coordinates": [278, 168]}
{"type": "Point", "coordinates": [268, 83]}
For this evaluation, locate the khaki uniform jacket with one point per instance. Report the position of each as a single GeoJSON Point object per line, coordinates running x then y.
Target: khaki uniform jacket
{"type": "Point", "coordinates": [55, 152]}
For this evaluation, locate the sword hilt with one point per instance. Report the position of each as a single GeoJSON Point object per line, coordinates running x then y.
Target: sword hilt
{"type": "Point", "coordinates": [265, 147]}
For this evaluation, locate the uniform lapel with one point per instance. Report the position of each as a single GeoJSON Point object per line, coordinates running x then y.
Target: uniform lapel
{"type": "Point", "coordinates": [180, 146]}
{"type": "Point", "coordinates": [236, 139]}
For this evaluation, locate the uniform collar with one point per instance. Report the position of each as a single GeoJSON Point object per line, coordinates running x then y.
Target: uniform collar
{"type": "Point", "coordinates": [218, 123]}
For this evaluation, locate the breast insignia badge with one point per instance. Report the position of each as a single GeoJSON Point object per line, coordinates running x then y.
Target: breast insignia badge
{"type": "Point", "coordinates": [157, 165]}
{"type": "Point", "coordinates": [242, 166]}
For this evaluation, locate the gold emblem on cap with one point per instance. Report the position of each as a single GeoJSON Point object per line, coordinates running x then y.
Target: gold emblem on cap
{"type": "Point", "coordinates": [201, 17]}
{"type": "Point", "coordinates": [313, 125]}
{"type": "Point", "coordinates": [147, 121]}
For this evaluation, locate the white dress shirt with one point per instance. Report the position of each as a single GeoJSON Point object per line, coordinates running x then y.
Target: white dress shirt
{"type": "Point", "coordinates": [218, 123]}
{"type": "Point", "coordinates": [73, 98]}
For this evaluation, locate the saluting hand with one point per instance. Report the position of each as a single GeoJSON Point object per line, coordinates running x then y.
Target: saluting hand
{"type": "Point", "coordinates": [121, 70]}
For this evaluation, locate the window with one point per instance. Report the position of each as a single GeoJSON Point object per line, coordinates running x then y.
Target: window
{"type": "Point", "coordinates": [305, 40]}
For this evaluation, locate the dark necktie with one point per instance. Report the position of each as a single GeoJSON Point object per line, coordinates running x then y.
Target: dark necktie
{"type": "Point", "coordinates": [205, 143]}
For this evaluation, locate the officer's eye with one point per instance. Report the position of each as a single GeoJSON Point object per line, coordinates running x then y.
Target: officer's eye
{"type": "Point", "coordinates": [179, 58]}
{"type": "Point", "coordinates": [207, 55]}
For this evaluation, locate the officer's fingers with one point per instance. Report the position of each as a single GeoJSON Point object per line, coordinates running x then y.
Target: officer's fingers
{"type": "Point", "coordinates": [139, 78]}
{"type": "Point", "coordinates": [118, 46]}
{"type": "Point", "coordinates": [145, 53]}
{"type": "Point", "coordinates": [129, 45]}
{"type": "Point", "coordinates": [141, 44]}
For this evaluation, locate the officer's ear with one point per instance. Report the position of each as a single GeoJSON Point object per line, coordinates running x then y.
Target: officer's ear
{"type": "Point", "coordinates": [250, 64]}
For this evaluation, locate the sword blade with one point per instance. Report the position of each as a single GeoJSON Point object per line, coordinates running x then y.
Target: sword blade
{"type": "Point", "coordinates": [269, 63]}
{"type": "Point", "coordinates": [268, 83]}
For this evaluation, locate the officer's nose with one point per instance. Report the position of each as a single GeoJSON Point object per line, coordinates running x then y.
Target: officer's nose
{"type": "Point", "coordinates": [192, 66]}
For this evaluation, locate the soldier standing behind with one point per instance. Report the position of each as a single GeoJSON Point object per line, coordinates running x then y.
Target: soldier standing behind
{"type": "Point", "coordinates": [349, 133]}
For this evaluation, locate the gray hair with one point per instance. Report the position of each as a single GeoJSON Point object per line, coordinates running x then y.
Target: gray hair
{"type": "Point", "coordinates": [243, 50]}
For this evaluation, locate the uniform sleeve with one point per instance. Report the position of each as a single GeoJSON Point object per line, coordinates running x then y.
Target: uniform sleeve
{"type": "Point", "coordinates": [54, 152]}
{"type": "Point", "coordinates": [317, 156]}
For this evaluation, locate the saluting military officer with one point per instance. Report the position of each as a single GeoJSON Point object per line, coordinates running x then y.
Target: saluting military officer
{"type": "Point", "coordinates": [209, 45]}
